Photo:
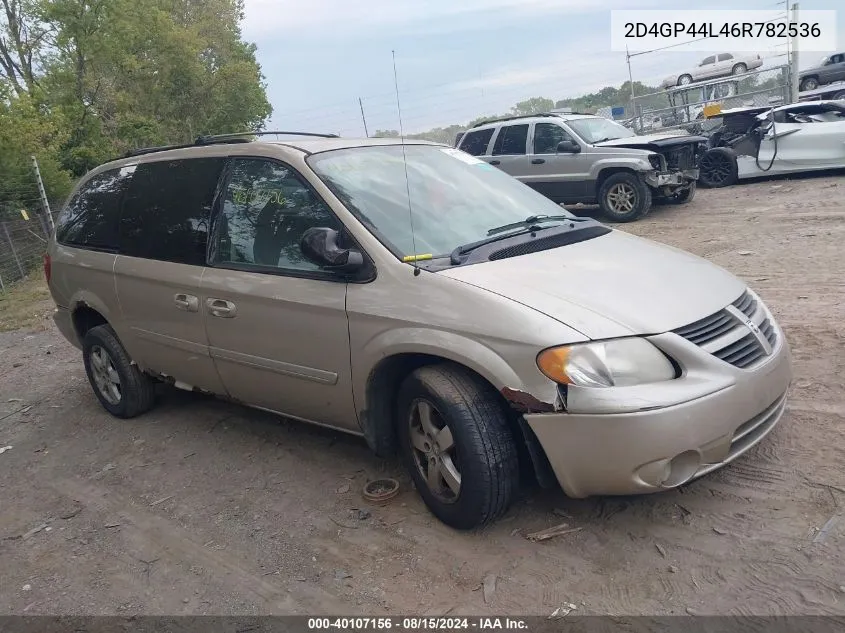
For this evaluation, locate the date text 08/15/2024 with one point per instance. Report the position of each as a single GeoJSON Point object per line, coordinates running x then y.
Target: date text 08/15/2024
{"type": "Point", "coordinates": [416, 624]}
{"type": "Point", "coordinates": [709, 29]}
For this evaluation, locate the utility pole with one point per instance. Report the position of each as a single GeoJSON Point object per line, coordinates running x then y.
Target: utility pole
{"type": "Point", "coordinates": [794, 83]}
{"type": "Point", "coordinates": [45, 204]}
{"type": "Point", "coordinates": [631, 81]}
{"type": "Point", "coordinates": [363, 118]}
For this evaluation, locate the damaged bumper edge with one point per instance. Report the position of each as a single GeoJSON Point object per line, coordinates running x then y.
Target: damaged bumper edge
{"type": "Point", "coordinates": [680, 178]}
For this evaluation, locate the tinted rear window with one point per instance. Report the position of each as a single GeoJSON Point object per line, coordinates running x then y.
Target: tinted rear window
{"type": "Point", "coordinates": [475, 143]}
{"type": "Point", "coordinates": [90, 219]}
{"type": "Point", "coordinates": [168, 208]}
{"type": "Point", "coordinates": [512, 140]}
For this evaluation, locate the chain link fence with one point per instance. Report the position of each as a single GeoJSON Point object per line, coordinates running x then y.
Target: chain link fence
{"type": "Point", "coordinates": [685, 108]}
{"type": "Point", "coordinates": [24, 230]}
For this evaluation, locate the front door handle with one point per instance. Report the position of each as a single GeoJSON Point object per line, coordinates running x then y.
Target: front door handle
{"type": "Point", "coordinates": [188, 303]}
{"type": "Point", "coordinates": [495, 162]}
{"type": "Point", "coordinates": [538, 161]}
{"type": "Point", "coordinates": [221, 308]}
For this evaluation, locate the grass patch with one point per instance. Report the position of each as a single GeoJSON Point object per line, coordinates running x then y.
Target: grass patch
{"type": "Point", "coordinates": [25, 304]}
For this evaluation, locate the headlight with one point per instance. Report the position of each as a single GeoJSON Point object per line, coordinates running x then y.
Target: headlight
{"type": "Point", "coordinates": [656, 161]}
{"type": "Point", "coordinates": [615, 363]}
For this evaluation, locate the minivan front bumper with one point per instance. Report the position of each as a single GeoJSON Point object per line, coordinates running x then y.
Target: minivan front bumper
{"type": "Point", "coordinates": [662, 447]}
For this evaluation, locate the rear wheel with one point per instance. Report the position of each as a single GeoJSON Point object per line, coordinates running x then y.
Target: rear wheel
{"type": "Point", "coordinates": [623, 197]}
{"type": "Point", "coordinates": [123, 390]}
{"type": "Point", "coordinates": [455, 441]}
{"type": "Point", "coordinates": [810, 83]}
{"type": "Point", "coordinates": [738, 69]}
{"type": "Point", "coordinates": [718, 168]}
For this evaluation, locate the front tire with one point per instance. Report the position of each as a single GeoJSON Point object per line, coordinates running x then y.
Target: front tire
{"type": "Point", "coordinates": [122, 389]}
{"type": "Point", "coordinates": [718, 168]}
{"type": "Point", "coordinates": [623, 197]}
{"type": "Point", "coordinates": [684, 80]}
{"type": "Point", "coordinates": [684, 196]}
{"type": "Point", "coordinates": [455, 440]}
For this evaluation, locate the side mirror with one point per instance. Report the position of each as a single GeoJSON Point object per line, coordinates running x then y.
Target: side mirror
{"type": "Point", "coordinates": [319, 245]}
{"type": "Point", "coordinates": [568, 147]}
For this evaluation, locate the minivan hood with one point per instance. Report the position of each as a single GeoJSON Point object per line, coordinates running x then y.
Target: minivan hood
{"type": "Point", "coordinates": [609, 286]}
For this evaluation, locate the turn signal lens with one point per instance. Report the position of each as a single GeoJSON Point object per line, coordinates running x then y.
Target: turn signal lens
{"type": "Point", "coordinates": [552, 362]}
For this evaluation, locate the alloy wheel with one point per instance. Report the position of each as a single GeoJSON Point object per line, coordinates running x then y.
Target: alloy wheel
{"type": "Point", "coordinates": [434, 451]}
{"type": "Point", "coordinates": [621, 198]}
{"type": "Point", "coordinates": [105, 375]}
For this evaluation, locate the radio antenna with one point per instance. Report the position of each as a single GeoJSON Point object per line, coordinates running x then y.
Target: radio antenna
{"type": "Point", "coordinates": [413, 257]}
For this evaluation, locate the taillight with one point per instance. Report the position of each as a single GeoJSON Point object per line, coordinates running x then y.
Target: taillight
{"type": "Point", "coordinates": [48, 267]}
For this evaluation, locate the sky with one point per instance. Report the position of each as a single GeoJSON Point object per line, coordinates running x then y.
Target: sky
{"type": "Point", "coordinates": [455, 59]}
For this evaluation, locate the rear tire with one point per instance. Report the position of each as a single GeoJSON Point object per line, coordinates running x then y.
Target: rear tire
{"type": "Point", "coordinates": [810, 83]}
{"type": "Point", "coordinates": [738, 69]}
{"type": "Point", "coordinates": [455, 441]}
{"type": "Point", "coordinates": [122, 389]}
{"type": "Point", "coordinates": [718, 168]}
{"type": "Point", "coordinates": [623, 197]}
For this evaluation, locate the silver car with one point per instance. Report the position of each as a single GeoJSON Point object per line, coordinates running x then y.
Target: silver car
{"type": "Point", "coordinates": [416, 296]}
{"type": "Point", "coordinates": [714, 66]}
{"type": "Point", "coordinates": [573, 158]}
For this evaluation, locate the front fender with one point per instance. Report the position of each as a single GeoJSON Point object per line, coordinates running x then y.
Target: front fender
{"type": "Point", "coordinates": [639, 165]}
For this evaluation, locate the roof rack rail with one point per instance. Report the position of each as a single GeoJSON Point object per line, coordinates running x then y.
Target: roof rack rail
{"type": "Point", "coordinates": [526, 116]}
{"type": "Point", "coordinates": [213, 139]}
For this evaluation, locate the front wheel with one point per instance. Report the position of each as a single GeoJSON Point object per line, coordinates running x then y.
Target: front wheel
{"type": "Point", "coordinates": [623, 197]}
{"type": "Point", "coordinates": [683, 196]}
{"type": "Point", "coordinates": [718, 168]}
{"type": "Point", "coordinates": [455, 441]}
{"type": "Point", "coordinates": [684, 80]}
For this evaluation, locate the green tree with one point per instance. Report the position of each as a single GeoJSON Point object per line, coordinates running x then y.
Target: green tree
{"type": "Point", "coordinates": [533, 106]}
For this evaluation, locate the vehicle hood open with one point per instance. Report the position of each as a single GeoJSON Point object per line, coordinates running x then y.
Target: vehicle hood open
{"type": "Point", "coordinates": [654, 142]}
{"type": "Point", "coordinates": [609, 286]}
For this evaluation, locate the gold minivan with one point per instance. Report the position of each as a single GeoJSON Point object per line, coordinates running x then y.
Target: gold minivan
{"type": "Point", "coordinates": [419, 297]}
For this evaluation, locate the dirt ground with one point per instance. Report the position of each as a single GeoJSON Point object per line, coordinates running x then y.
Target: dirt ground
{"type": "Point", "coordinates": [204, 507]}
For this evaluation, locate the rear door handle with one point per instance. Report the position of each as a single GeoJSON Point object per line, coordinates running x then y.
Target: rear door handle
{"type": "Point", "coordinates": [188, 303]}
{"type": "Point", "coordinates": [221, 308]}
{"type": "Point", "coordinates": [495, 162]}
{"type": "Point", "coordinates": [538, 161]}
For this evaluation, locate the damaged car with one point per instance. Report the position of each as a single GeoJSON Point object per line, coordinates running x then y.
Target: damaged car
{"type": "Point", "coordinates": [582, 158]}
{"type": "Point", "coordinates": [415, 296]}
{"type": "Point", "coordinates": [753, 142]}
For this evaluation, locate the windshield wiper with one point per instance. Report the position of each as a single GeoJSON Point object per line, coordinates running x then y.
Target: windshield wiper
{"type": "Point", "coordinates": [499, 233]}
{"type": "Point", "coordinates": [602, 140]}
{"type": "Point", "coordinates": [530, 221]}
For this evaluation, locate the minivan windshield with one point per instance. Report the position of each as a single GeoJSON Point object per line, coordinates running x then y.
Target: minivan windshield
{"type": "Point", "coordinates": [455, 198]}
{"type": "Point", "coordinates": [598, 129]}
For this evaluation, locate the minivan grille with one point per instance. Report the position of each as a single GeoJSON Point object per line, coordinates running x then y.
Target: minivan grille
{"type": "Point", "coordinates": [728, 337]}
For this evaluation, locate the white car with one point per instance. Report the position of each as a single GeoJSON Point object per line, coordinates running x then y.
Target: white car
{"type": "Point", "coordinates": [795, 138]}
{"type": "Point", "coordinates": [721, 65]}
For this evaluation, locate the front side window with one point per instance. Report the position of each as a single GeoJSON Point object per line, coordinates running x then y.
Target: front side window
{"type": "Point", "coordinates": [454, 199]}
{"type": "Point", "coordinates": [547, 136]}
{"type": "Point", "coordinates": [512, 140]}
{"type": "Point", "coordinates": [709, 60]}
{"type": "Point", "coordinates": [475, 143]}
{"type": "Point", "coordinates": [168, 209]}
{"type": "Point", "coordinates": [598, 129]}
{"type": "Point", "coordinates": [266, 209]}
{"type": "Point", "coordinates": [91, 217]}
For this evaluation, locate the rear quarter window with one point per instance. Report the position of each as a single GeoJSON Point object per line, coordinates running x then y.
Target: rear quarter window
{"type": "Point", "coordinates": [476, 143]}
{"type": "Point", "coordinates": [91, 217]}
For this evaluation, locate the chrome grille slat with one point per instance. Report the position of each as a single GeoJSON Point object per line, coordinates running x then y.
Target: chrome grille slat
{"type": "Point", "coordinates": [726, 333]}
